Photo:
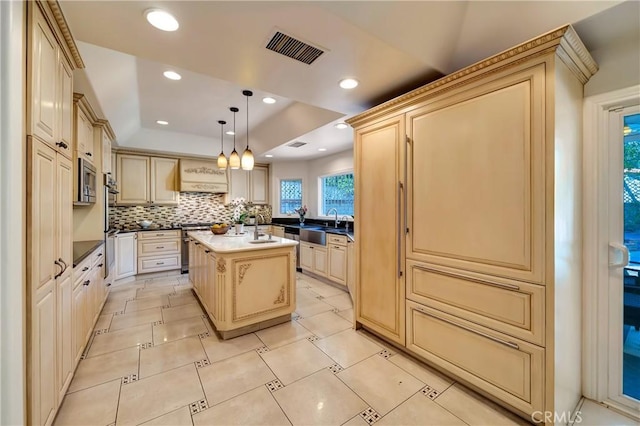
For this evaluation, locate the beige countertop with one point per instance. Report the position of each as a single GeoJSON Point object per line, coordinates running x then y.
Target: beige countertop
{"type": "Point", "coordinates": [231, 243]}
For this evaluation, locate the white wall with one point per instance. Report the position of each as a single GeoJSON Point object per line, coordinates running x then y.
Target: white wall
{"type": "Point", "coordinates": [309, 171]}
{"type": "Point", "coordinates": [12, 213]}
{"type": "Point", "coordinates": [619, 67]}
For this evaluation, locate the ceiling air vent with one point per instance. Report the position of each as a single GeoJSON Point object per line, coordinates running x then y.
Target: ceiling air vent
{"type": "Point", "coordinates": [293, 48]}
{"type": "Point", "coordinates": [296, 144]}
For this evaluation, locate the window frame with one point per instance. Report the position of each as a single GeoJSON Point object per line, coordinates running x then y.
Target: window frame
{"type": "Point", "coordinates": [320, 206]}
{"type": "Point", "coordinates": [302, 195]}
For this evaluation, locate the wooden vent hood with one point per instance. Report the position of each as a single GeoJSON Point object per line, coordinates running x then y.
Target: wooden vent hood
{"type": "Point", "coordinates": [202, 176]}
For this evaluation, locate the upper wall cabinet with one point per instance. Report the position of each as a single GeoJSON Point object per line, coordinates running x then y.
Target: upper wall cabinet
{"type": "Point", "coordinates": [52, 58]}
{"type": "Point", "coordinates": [103, 139]}
{"type": "Point", "coordinates": [251, 185]}
{"type": "Point", "coordinates": [202, 176]}
{"type": "Point", "coordinates": [147, 180]}
{"type": "Point", "coordinates": [85, 118]}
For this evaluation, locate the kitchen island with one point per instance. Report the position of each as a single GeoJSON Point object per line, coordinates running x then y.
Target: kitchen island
{"type": "Point", "coordinates": [244, 285]}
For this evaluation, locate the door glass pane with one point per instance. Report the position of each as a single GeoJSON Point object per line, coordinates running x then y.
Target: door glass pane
{"type": "Point", "coordinates": [631, 308]}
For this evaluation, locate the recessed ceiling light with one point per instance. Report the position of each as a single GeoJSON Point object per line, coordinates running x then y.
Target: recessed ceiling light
{"type": "Point", "coordinates": [161, 20]}
{"type": "Point", "coordinates": [348, 83]}
{"type": "Point", "coordinates": [162, 122]}
{"type": "Point", "coordinates": [322, 149]}
{"type": "Point", "coordinates": [269, 155]}
{"type": "Point", "coordinates": [268, 100]}
{"type": "Point", "coordinates": [172, 75]}
{"type": "Point", "coordinates": [229, 132]}
{"type": "Point", "coordinates": [341, 126]}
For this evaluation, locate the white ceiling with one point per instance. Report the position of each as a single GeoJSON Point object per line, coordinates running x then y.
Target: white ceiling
{"type": "Point", "coordinates": [219, 49]}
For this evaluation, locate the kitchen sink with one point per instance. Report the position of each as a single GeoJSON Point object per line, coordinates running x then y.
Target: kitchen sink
{"type": "Point", "coordinates": [315, 236]}
{"type": "Point", "coordinates": [262, 241]}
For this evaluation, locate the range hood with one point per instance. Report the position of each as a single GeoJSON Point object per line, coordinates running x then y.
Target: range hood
{"type": "Point", "coordinates": [202, 176]}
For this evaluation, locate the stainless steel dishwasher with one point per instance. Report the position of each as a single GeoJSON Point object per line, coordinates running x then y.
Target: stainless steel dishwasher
{"type": "Point", "coordinates": [293, 234]}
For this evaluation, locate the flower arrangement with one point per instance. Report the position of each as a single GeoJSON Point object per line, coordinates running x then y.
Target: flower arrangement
{"type": "Point", "coordinates": [302, 211]}
{"type": "Point", "coordinates": [240, 212]}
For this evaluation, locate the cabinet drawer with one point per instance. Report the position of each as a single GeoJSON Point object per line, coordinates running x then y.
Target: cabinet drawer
{"type": "Point", "coordinates": [152, 235]}
{"type": "Point", "coordinates": [81, 271]}
{"type": "Point", "coordinates": [336, 239]}
{"type": "Point", "coordinates": [159, 263]}
{"type": "Point", "coordinates": [97, 256]}
{"type": "Point", "coordinates": [156, 247]}
{"type": "Point", "coordinates": [508, 306]}
{"type": "Point", "coordinates": [508, 368]}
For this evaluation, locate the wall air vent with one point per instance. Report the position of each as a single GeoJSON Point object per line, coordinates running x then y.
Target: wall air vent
{"type": "Point", "coordinates": [293, 48]}
{"type": "Point", "coordinates": [296, 144]}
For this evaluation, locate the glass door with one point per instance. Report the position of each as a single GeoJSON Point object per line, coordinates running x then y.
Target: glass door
{"type": "Point", "coordinates": [624, 258]}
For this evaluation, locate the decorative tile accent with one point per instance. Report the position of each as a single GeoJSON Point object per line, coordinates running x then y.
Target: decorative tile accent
{"type": "Point", "coordinates": [158, 322]}
{"type": "Point", "coordinates": [335, 368]}
{"type": "Point", "coordinates": [101, 331]}
{"type": "Point", "coordinates": [204, 335]}
{"type": "Point", "coordinates": [385, 354]}
{"type": "Point", "coordinates": [262, 350]}
{"type": "Point", "coordinates": [319, 297]}
{"type": "Point", "coordinates": [370, 416]}
{"type": "Point", "coordinates": [118, 312]}
{"type": "Point", "coordinates": [146, 345]}
{"type": "Point", "coordinates": [129, 379]}
{"type": "Point", "coordinates": [274, 385]}
{"type": "Point", "coordinates": [429, 392]}
{"type": "Point", "coordinates": [295, 317]}
{"type": "Point", "coordinates": [312, 338]}
{"type": "Point", "coordinates": [168, 306]}
{"type": "Point", "coordinates": [196, 407]}
{"type": "Point", "coordinates": [335, 310]}
{"type": "Point", "coordinates": [202, 363]}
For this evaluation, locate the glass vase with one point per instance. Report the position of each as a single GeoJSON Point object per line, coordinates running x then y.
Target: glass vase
{"type": "Point", "coordinates": [301, 220]}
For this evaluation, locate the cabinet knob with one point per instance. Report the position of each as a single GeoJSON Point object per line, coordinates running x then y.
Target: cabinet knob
{"type": "Point", "coordinates": [86, 283]}
{"type": "Point", "coordinates": [62, 145]}
{"type": "Point", "coordinates": [101, 265]}
{"type": "Point", "coordinates": [86, 268]}
{"type": "Point", "coordinates": [89, 154]}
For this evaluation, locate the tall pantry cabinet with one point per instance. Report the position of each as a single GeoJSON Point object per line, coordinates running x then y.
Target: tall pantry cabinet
{"type": "Point", "coordinates": [477, 178]}
{"type": "Point", "coordinates": [52, 55]}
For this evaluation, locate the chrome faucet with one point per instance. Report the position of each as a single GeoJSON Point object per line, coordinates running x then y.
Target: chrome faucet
{"type": "Point", "coordinates": [256, 232]}
{"type": "Point", "coordinates": [346, 222]}
{"type": "Point", "coordinates": [337, 222]}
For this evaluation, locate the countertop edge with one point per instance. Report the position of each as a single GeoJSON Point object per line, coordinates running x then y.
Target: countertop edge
{"type": "Point", "coordinates": [248, 248]}
{"type": "Point", "coordinates": [91, 246]}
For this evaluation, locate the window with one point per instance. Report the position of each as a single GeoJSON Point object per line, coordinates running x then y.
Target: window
{"type": "Point", "coordinates": [336, 192]}
{"type": "Point", "coordinates": [290, 195]}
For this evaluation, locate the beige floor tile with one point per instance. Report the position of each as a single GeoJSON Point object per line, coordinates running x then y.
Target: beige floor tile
{"type": "Point", "coordinates": [103, 368]}
{"type": "Point", "coordinates": [154, 291]}
{"type": "Point", "coordinates": [419, 410]}
{"type": "Point", "coordinates": [181, 312]}
{"type": "Point", "coordinates": [114, 305]}
{"type": "Point", "coordinates": [282, 334]}
{"type": "Point", "coordinates": [135, 318]}
{"type": "Point", "coordinates": [180, 417]}
{"type": "Point", "coordinates": [312, 307]}
{"type": "Point", "coordinates": [320, 399]}
{"type": "Point", "coordinates": [218, 349]}
{"type": "Point", "coordinates": [296, 360]}
{"type": "Point", "coordinates": [325, 324]}
{"type": "Point", "coordinates": [175, 330]}
{"type": "Point", "coordinates": [146, 303]}
{"type": "Point", "coordinates": [104, 322]}
{"type": "Point", "coordinates": [422, 372]}
{"type": "Point", "coordinates": [93, 406]}
{"type": "Point", "coordinates": [161, 281]}
{"type": "Point", "coordinates": [182, 300]}
{"type": "Point", "coordinates": [347, 314]}
{"type": "Point", "coordinates": [125, 293]}
{"type": "Point", "coordinates": [356, 421]}
{"type": "Point", "coordinates": [306, 295]}
{"type": "Point", "coordinates": [116, 340]}
{"type": "Point", "coordinates": [475, 409]}
{"type": "Point", "coordinates": [383, 385]}
{"type": "Point", "coordinates": [182, 289]}
{"type": "Point", "coordinates": [229, 378]}
{"type": "Point", "coordinates": [170, 355]}
{"type": "Point", "coordinates": [325, 290]}
{"type": "Point", "coordinates": [157, 395]}
{"type": "Point", "coordinates": [347, 347]}
{"type": "Point", "coordinates": [256, 407]}
{"type": "Point", "coordinates": [341, 301]}
{"type": "Point", "coordinates": [594, 414]}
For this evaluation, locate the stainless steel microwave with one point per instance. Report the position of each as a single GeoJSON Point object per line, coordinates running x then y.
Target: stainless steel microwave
{"type": "Point", "coordinates": [86, 182]}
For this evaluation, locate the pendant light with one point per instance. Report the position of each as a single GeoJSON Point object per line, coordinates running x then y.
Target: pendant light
{"type": "Point", "coordinates": [247, 155]}
{"type": "Point", "coordinates": [222, 160]}
{"type": "Point", "coordinates": [234, 158]}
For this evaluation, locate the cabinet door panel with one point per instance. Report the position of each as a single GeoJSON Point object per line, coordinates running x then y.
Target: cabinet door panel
{"type": "Point", "coordinates": [239, 181]}
{"type": "Point", "coordinates": [65, 332]}
{"type": "Point", "coordinates": [64, 211]}
{"type": "Point", "coordinates": [379, 161]}
{"type": "Point", "coordinates": [260, 185]}
{"type": "Point", "coordinates": [133, 179]}
{"type": "Point", "coordinates": [320, 261]}
{"type": "Point", "coordinates": [126, 255]}
{"type": "Point", "coordinates": [164, 181]}
{"type": "Point", "coordinates": [337, 264]}
{"type": "Point", "coordinates": [306, 257]}
{"type": "Point", "coordinates": [43, 356]}
{"type": "Point", "coordinates": [65, 108]}
{"type": "Point", "coordinates": [44, 71]}
{"type": "Point", "coordinates": [477, 183]}
{"type": "Point", "coordinates": [79, 325]}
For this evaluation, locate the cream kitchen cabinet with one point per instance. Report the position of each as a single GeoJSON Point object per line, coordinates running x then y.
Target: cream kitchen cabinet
{"type": "Point", "coordinates": [484, 222]}
{"type": "Point", "coordinates": [50, 73]}
{"type": "Point", "coordinates": [126, 253]}
{"type": "Point", "coordinates": [104, 137]}
{"type": "Point", "coordinates": [313, 258]}
{"type": "Point", "coordinates": [251, 185]}
{"type": "Point", "coordinates": [351, 270]}
{"type": "Point", "coordinates": [158, 251]}
{"type": "Point", "coordinates": [147, 180]}
{"type": "Point", "coordinates": [337, 253]}
{"type": "Point", "coordinates": [83, 130]}
{"type": "Point", "coordinates": [277, 231]}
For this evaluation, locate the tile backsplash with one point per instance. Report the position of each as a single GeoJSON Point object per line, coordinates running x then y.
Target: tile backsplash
{"type": "Point", "coordinates": [194, 207]}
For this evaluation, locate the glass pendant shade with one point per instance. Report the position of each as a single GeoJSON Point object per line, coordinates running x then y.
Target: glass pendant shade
{"type": "Point", "coordinates": [234, 160]}
{"type": "Point", "coordinates": [247, 155]}
{"type": "Point", "coordinates": [222, 160]}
